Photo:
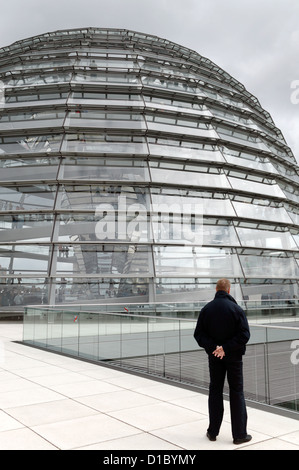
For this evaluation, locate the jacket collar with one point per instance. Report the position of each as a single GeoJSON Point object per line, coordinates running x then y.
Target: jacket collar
{"type": "Point", "coordinates": [223, 294]}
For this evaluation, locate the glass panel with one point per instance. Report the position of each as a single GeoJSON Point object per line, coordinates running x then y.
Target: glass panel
{"type": "Point", "coordinates": [160, 175]}
{"type": "Point", "coordinates": [88, 336]}
{"type": "Point", "coordinates": [18, 290]}
{"type": "Point", "coordinates": [44, 64]}
{"type": "Point", "coordinates": [101, 169]}
{"type": "Point", "coordinates": [268, 289]}
{"type": "Point", "coordinates": [220, 235]}
{"type": "Point", "coordinates": [99, 62]}
{"type": "Point", "coordinates": [240, 161]}
{"type": "Point", "coordinates": [98, 115]}
{"type": "Point", "coordinates": [27, 198]}
{"type": "Point", "coordinates": [21, 97]}
{"type": "Point", "coordinates": [184, 228]}
{"type": "Point", "coordinates": [104, 144]}
{"type": "Point", "coordinates": [176, 129]}
{"type": "Point", "coordinates": [28, 322]}
{"type": "Point", "coordinates": [253, 211]}
{"type": "Point", "coordinates": [28, 169]}
{"type": "Point", "coordinates": [176, 204]}
{"type": "Point", "coordinates": [39, 79]}
{"type": "Point", "coordinates": [185, 153]}
{"type": "Point", "coordinates": [110, 337]}
{"type": "Point", "coordinates": [161, 102]}
{"type": "Point", "coordinates": [118, 198]}
{"type": "Point", "coordinates": [93, 120]}
{"type": "Point", "coordinates": [134, 338]}
{"type": "Point", "coordinates": [248, 160]}
{"type": "Point", "coordinates": [266, 239]}
{"type": "Point", "coordinates": [105, 224]}
{"type": "Point", "coordinates": [164, 338]}
{"type": "Point", "coordinates": [269, 266]}
{"type": "Point", "coordinates": [257, 188]}
{"type": "Point", "coordinates": [70, 332]}
{"type": "Point", "coordinates": [172, 289]}
{"type": "Point", "coordinates": [54, 329]}
{"type": "Point", "coordinates": [90, 97]}
{"type": "Point", "coordinates": [25, 227]}
{"type": "Point", "coordinates": [103, 259]}
{"type": "Point", "coordinates": [176, 218]}
{"type": "Point", "coordinates": [25, 144]}
{"type": "Point", "coordinates": [13, 117]}
{"type": "Point", "coordinates": [41, 328]}
{"type": "Point", "coordinates": [24, 259]}
{"type": "Point", "coordinates": [294, 217]}
{"type": "Point", "coordinates": [196, 261]}
{"type": "Point", "coordinates": [119, 78]}
{"type": "Point", "coordinates": [159, 82]}
{"type": "Point", "coordinates": [172, 285]}
{"type": "Point", "coordinates": [84, 290]}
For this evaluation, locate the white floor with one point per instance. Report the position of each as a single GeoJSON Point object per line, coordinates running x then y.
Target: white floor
{"type": "Point", "coordinates": [48, 401]}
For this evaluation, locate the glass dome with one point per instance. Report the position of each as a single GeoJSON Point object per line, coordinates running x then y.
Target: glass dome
{"type": "Point", "coordinates": [134, 168]}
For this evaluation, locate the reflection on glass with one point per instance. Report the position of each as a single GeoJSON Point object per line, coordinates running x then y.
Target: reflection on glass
{"type": "Point", "coordinates": [266, 239]}
{"type": "Point", "coordinates": [204, 262]}
{"type": "Point", "coordinates": [23, 291]}
{"type": "Point", "coordinates": [25, 227]}
{"type": "Point", "coordinates": [103, 143]}
{"type": "Point", "coordinates": [82, 290]}
{"type": "Point", "coordinates": [25, 259]}
{"type": "Point", "coordinates": [101, 169]}
{"type": "Point", "coordinates": [32, 144]}
{"type": "Point", "coordinates": [265, 213]}
{"type": "Point", "coordinates": [257, 188]}
{"type": "Point", "coordinates": [185, 152]}
{"type": "Point", "coordinates": [85, 197]}
{"type": "Point", "coordinates": [272, 290]}
{"type": "Point", "coordinates": [130, 260]}
{"type": "Point", "coordinates": [220, 235]}
{"type": "Point", "coordinates": [30, 197]}
{"type": "Point", "coordinates": [254, 266]}
{"type": "Point", "coordinates": [110, 77]}
{"type": "Point", "coordinates": [160, 175]}
{"type": "Point", "coordinates": [28, 169]}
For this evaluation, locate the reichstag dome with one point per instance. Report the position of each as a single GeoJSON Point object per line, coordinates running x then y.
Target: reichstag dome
{"type": "Point", "coordinates": [135, 170]}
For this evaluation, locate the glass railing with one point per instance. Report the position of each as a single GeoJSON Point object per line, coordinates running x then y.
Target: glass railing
{"type": "Point", "coordinates": [159, 344]}
{"type": "Point", "coordinates": [259, 311]}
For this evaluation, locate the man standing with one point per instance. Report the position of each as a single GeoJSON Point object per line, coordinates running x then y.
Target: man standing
{"type": "Point", "coordinates": [222, 330]}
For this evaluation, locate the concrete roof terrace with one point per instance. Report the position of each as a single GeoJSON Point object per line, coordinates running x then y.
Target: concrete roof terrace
{"type": "Point", "coordinates": [51, 402]}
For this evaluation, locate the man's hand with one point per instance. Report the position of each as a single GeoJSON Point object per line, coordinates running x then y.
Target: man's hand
{"type": "Point", "coordinates": [219, 352]}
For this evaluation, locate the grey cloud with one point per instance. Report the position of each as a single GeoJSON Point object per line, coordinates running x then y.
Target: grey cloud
{"type": "Point", "coordinates": [256, 41]}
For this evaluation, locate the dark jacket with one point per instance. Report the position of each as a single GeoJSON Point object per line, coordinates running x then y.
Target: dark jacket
{"type": "Point", "coordinates": [222, 322]}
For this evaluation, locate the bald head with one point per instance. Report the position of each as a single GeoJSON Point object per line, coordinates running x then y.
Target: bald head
{"type": "Point", "coordinates": [223, 284]}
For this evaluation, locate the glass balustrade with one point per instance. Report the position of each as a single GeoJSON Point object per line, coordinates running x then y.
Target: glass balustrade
{"type": "Point", "coordinates": [157, 340]}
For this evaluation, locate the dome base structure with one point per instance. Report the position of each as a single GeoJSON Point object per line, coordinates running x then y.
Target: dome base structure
{"type": "Point", "coordinates": [133, 169]}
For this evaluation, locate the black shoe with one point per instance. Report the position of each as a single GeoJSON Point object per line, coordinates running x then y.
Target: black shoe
{"type": "Point", "coordinates": [212, 438]}
{"type": "Point", "coordinates": [242, 440]}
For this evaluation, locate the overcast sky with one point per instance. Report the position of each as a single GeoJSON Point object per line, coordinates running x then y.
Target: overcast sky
{"type": "Point", "coordinates": [256, 41]}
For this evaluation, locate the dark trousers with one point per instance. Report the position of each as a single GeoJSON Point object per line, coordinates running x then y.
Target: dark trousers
{"type": "Point", "coordinates": [233, 369]}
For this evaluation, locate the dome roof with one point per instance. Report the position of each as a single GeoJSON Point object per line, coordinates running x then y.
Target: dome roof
{"type": "Point", "coordinates": [133, 167]}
